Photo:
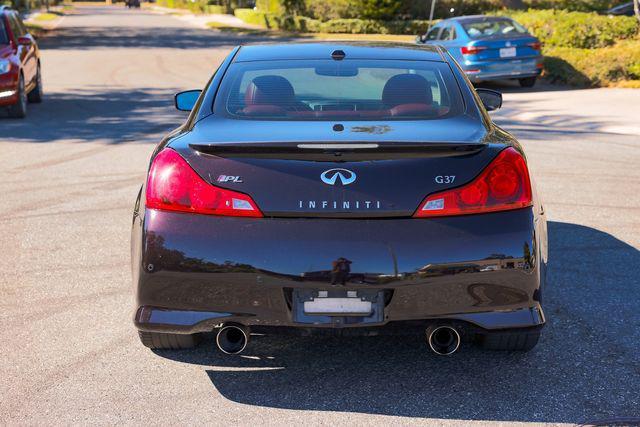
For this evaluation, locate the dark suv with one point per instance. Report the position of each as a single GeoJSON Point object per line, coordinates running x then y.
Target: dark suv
{"type": "Point", "coordinates": [20, 78]}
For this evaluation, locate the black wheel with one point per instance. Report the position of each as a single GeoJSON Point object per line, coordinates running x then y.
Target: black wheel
{"type": "Point", "coordinates": [527, 82]}
{"type": "Point", "coordinates": [36, 93]}
{"type": "Point", "coordinates": [168, 341]}
{"type": "Point", "coordinates": [515, 340]}
{"type": "Point", "coordinates": [19, 109]}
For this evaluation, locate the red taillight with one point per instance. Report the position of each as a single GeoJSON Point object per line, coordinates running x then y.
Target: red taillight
{"type": "Point", "coordinates": [174, 186]}
{"type": "Point", "coordinates": [535, 45]}
{"type": "Point", "coordinates": [471, 50]}
{"type": "Point", "coordinates": [503, 185]}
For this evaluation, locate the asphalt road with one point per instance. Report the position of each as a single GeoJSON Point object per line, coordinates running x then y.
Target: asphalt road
{"type": "Point", "coordinates": [69, 174]}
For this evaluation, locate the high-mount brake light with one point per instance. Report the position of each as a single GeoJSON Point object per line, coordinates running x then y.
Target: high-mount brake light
{"type": "Point", "coordinates": [174, 186]}
{"type": "Point", "coordinates": [503, 185]}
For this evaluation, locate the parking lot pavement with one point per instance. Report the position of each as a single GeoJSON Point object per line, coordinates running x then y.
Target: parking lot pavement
{"type": "Point", "coordinates": [69, 352]}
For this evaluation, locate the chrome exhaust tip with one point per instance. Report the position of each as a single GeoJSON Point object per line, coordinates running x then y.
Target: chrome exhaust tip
{"type": "Point", "coordinates": [232, 339]}
{"type": "Point", "coordinates": [443, 340]}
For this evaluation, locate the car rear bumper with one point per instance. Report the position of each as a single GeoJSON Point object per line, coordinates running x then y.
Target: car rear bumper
{"type": "Point", "coordinates": [504, 69]}
{"type": "Point", "coordinates": [193, 272]}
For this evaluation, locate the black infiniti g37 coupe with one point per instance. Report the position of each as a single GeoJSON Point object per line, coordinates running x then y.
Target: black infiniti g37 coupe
{"type": "Point", "coordinates": [344, 188]}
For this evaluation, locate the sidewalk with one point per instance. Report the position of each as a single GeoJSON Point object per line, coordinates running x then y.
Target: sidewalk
{"type": "Point", "coordinates": [42, 20]}
{"type": "Point", "coordinates": [201, 20]}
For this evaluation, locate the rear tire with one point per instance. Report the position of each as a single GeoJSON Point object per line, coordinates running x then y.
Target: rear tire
{"type": "Point", "coordinates": [528, 82]}
{"type": "Point", "coordinates": [158, 340]}
{"type": "Point", "coordinates": [516, 340]}
{"type": "Point", "coordinates": [19, 109]}
{"type": "Point", "coordinates": [36, 94]}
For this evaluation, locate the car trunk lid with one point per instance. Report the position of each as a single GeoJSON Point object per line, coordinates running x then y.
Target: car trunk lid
{"type": "Point", "coordinates": [501, 48]}
{"type": "Point", "coordinates": [347, 174]}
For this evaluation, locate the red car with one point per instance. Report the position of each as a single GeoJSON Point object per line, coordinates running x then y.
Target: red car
{"type": "Point", "coordinates": [20, 78]}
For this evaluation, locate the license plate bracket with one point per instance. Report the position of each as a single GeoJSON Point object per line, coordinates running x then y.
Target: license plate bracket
{"type": "Point", "coordinates": [338, 306]}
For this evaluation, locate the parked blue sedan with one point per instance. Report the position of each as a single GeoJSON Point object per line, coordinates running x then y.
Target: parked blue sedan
{"type": "Point", "coordinates": [489, 47]}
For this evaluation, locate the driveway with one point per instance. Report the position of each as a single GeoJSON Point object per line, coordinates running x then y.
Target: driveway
{"type": "Point", "coordinates": [70, 173]}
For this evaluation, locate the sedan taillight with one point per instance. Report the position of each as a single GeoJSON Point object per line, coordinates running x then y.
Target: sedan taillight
{"type": "Point", "coordinates": [173, 185]}
{"type": "Point", "coordinates": [471, 50]}
{"type": "Point", "coordinates": [503, 185]}
{"type": "Point", "coordinates": [535, 45]}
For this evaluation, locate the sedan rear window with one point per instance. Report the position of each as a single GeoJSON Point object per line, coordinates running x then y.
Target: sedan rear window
{"type": "Point", "coordinates": [344, 90]}
{"type": "Point", "coordinates": [493, 28]}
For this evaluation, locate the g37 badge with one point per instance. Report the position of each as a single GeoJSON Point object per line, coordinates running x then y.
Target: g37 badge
{"type": "Point", "coordinates": [445, 179]}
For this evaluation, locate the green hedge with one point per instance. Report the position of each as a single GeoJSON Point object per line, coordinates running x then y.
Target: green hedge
{"type": "Point", "coordinates": [215, 8]}
{"type": "Point", "coordinates": [552, 27]}
{"type": "Point", "coordinates": [335, 26]}
{"type": "Point", "coordinates": [276, 22]}
{"type": "Point", "coordinates": [196, 7]}
{"type": "Point", "coordinates": [594, 67]}
{"type": "Point", "coordinates": [251, 16]}
{"type": "Point", "coordinates": [325, 10]}
{"type": "Point", "coordinates": [370, 26]}
{"type": "Point", "coordinates": [574, 5]}
{"type": "Point", "coordinates": [576, 29]}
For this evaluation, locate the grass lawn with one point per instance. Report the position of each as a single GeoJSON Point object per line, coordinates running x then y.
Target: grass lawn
{"type": "Point", "coordinates": [47, 16]}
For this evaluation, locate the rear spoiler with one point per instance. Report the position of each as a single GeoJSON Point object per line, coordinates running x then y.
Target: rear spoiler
{"type": "Point", "coordinates": [330, 150]}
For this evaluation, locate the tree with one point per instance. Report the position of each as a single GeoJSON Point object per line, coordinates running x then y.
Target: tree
{"type": "Point", "coordinates": [512, 4]}
{"type": "Point", "coordinates": [636, 8]}
{"type": "Point", "coordinates": [377, 9]}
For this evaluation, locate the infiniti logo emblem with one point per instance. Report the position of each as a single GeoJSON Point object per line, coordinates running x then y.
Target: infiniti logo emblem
{"type": "Point", "coordinates": [345, 176]}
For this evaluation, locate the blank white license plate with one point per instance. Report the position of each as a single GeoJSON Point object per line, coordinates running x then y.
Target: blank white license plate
{"type": "Point", "coordinates": [337, 306]}
{"type": "Point", "coordinates": [507, 52]}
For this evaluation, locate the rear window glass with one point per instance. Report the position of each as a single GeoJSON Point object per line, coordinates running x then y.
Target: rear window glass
{"type": "Point", "coordinates": [344, 90]}
{"type": "Point", "coordinates": [493, 28]}
{"type": "Point", "coordinates": [3, 32]}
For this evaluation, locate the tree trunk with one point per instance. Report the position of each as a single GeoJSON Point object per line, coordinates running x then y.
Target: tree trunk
{"type": "Point", "coordinates": [512, 4]}
{"type": "Point", "coordinates": [636, 8]}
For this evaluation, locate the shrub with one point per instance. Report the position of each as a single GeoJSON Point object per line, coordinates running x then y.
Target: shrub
{"type": "Point", "coordinates": [282, 7]}
{"type": "Point", "coordinates": [352, 26]}
{"type": "Point", "coordinates": [215, 8]}
{"type": "Point", "coordinates": [593, 67]}
{"type": "Point", "coordinates": [251, 16]}
{"type": "Point", "coordinates": [325, 10]}
{"type": "Point", "coordinates": [573, 5]}
{"type": "Point", "coordinates": [576, 29]}
{"type": "Point", "coordinates": [347, 26]}
{"type": "Point", "coordinates": [270, 6]}
{"type": "Point", "coordinates": [371, 26]}
{"type": "Point", "coordinates": [421, 9]}
{"type": "Point", "coordinates": [196, 7]}
{"type": "Point", "coordinates": [377, 9]}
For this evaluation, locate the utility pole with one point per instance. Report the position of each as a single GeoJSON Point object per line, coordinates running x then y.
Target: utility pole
{"type": "Point", "coordinates": [433, 6]}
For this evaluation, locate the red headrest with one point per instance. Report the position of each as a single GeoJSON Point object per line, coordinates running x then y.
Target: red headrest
{"type": "Point", "coordinates": [407, 89]}
{"type": "Point", "coordinates": [412, 110]}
